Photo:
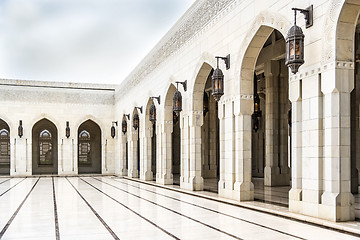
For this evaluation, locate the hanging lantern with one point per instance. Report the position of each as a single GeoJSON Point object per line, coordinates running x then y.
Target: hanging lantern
{"type": "Point", "coordinates": [217, 83]}
{"type": "Point", "coordinates": [152, 113]}
{"type": "Point", "coordinates": [177, 102]}
{"type": "Point", "coordinates": [136, 121]}
{"type": "Point", "coordinates": [124, 126]}
{"type": "Point", "coordinates": [175, 118]}
{"type": "Point", "coordinates": [257, 112]}
{"type": "Point", "coordinates": [295, 41]}
{"type": "Point", "coordinates": [205, 104]}
{"type": "Point", "coordinates": [295, 48]}
{"type": "Point", "coordinates": [218, 78]}
{"type": "Point", "coordinates": [20, 129]}
{"type": "Point", "coordinates": [67, 130]}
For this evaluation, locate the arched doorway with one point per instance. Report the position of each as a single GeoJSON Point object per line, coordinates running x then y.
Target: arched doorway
{"type": "Point", "coordinates": [149, 143]}
{"type": "Point", "coordinates": [170, 169]}
{"type": "Point", "coordinates": [44, 148]}
{"type": "Point", "coordinates": [134, 145]}
{"type": "Point", "coordinates": [89, 148]}
{"type": "Point", "coordinates": [175, 150]}
{"type": "Point", "coordinates": [210, 151]}
{"type": "Point", "coordinates": [270, 123]}
{"type": "Point", "coordinates": [209, 128]}
{"type": "Point", "coordinates": [355, 130]}
{"type": "Point", "coordinates": [4, 148]}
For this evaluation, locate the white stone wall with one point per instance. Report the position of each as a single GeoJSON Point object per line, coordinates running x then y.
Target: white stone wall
{"type": "Point", "coordinates": [31, 101]}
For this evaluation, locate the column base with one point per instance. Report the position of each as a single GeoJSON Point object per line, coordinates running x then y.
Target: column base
{"type": "Point", "coordinates": [122, 172]}
{"type": "Point", "coordinates": [165, 179]}
{"type": "Point", "coordinates": [133, 173]}
{"type": "Point", "coordinates": [295, 200]}
{"type": "Point", "coordinates": [337, 207]}
{"type": "Point", "coordinates": [194, 184]}
{"type": "Point", "coordinates": [147, 176]}
{"type": "Point", "coordinates": [273, 176]}
{"type": "Point", "coordinates": [242, 191]}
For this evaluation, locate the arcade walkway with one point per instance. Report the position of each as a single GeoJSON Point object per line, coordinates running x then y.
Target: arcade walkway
{"type": "Point", "coordinates": [116, 208]}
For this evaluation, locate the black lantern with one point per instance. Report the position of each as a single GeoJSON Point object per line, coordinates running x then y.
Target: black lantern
{"type": "Point", "coordinates": [257, 112]}
{"type": "Point", "coordinates": [113, 129]}
{"type": "Point", "coordinates": [177, 99]}
{"type": "Point", "coordinates": [152, 113]}
{"type": "Point", "coordinates": [218, 78]}
{"type": "Point", "coordinates": [205, 104]}
{"type": "Point", "coordinates": [124, 126]}
{"type": "Point", "coordinates": [295, 41]}
{"type": "Point", "coordinates": [175, 118]}
{"type": "Point", "coordinates": [20, 129]}
{"type": "Point", "coordinates": [136, 121]}
{"type": "Point", "coordinates": [67, 130]}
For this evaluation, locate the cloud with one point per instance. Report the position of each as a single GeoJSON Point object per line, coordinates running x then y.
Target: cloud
{"type": "Point", "coordinates": [81, 40]}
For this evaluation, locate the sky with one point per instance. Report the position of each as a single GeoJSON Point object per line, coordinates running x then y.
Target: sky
{"type": "Point", "coordinates": [91, 41]}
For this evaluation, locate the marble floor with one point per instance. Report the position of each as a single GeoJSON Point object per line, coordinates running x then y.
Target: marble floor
{"type": "Point", "coordinates": [115, 208]}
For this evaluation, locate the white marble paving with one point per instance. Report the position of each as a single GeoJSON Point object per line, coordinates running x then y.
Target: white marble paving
{"type": "Point", "coordinates": [189, 218]}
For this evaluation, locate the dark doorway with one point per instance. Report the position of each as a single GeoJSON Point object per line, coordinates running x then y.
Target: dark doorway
{"type": "Point", "coordinates": [89, 148]}
{"type": "Point", "coordinates": [153, 150]}
{"type": "Point", "coordinates": [175, 137]}
{"type": "Point", "coordinates": [44, 148]}
{"type": "Point", "coordinates": [4, 148]}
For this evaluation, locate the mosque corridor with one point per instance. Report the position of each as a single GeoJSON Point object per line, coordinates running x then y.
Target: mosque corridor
{"type": "Point", "coordinates": [98, 207]}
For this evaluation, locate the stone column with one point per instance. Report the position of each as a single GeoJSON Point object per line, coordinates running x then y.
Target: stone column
{"type": "Point", "coordinates": [295, 194]}
{"type": "Point", "coordinates": [221, 186]}
{"type": "Point", "coordinates": [337, 200]}
{"type": "Point", "coordinates": [164, 160]}
{"type": "Point", "coordinates": [122, 171]}
{"type": "Point", "coordinates": [312, 152]}
{"type": "Point", "coordinates": [195, 180]}
{"type": "Point", "coordinates": [212, 138]}
{"type": "Point", "coordinates": [132, 150]}
{"type": "Point", "coordinates": [145, 155]}
{"type": "Point", "coordinates": [227, 150]}
{"type": "Point", "coordinates": [283, 124]}
{"type": "Point", "coordinates": [185, 151]}
{"type": "Point", "coordinates": [272, 173]}
{"type": "Point", "coordinates": [243, 187]}
{"type": "Point", "coordinates": [208, 138]}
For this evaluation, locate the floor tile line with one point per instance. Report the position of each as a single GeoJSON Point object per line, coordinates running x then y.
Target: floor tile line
{"type": "Point", "coordinates": [243, 206]}
{"type": "Point", "coordinates": [11, 187]}
{"type": "Point", "coordinates": [133, 211]}
{"type": "Point", "coordinates": [171, 210]}
{"type": "Point", "coordinates": [209, 209]}
{"type": "Point", "coordinates": [5, 181]}
{"type": "Point", "coordinates": [113, 234]}
{"type": "Point", "coordinates": [17, 211]}
{"type": "Point", "coordinates": [57, 231]}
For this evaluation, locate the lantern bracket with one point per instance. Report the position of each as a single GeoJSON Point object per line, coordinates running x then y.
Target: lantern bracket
{"type": "Point", "coordinates": [182, 83]}
{"type": "Point", "coordinates": [308, 15]}
{"type": "Point", "coordinates": [140, 108]}
{"type": "Point", "coordinates": [157, 98]}
{"type": "Point", "coordinates": [226, 60]}
{"type": "Point", "coordinates": [114, 122]}
{"type": "Point", "coordinates": [128, 116]}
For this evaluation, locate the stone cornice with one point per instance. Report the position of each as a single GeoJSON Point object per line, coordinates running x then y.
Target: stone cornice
{"type": "Point", "coordinates": [194, 20]}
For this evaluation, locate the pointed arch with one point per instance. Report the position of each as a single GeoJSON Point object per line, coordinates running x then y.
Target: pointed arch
{"type": "Point", "coordinates": [4, 148]}
{"type": "Point", "coordinates": [168, 103]}
{"type": "Point", "coordinates": [89, 147]}
{"type": "Point", "coordinates": [199, 86]}
{"type": "Point", "coordinates": [44, 147]}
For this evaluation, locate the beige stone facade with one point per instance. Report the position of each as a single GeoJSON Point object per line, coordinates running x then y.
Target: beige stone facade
{"type": "Point", "coordinates": [316, 152]}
